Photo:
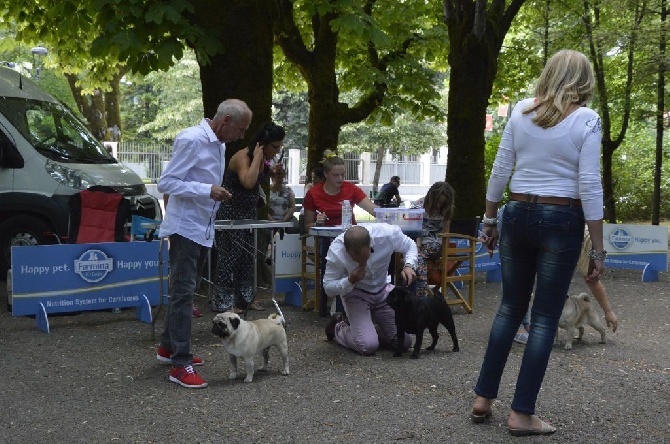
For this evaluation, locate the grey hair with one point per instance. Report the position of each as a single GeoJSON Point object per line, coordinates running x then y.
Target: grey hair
{"type": "Point", "coordinates": [234, 108]}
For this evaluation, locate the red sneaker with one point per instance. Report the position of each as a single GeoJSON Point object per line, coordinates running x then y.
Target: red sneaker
{"type": "Point", "coordinates": [165, 356]}
{"type": "Point", "coordinates": [187, 377]}
{"type": "Point", "coordinates": [196, 311]}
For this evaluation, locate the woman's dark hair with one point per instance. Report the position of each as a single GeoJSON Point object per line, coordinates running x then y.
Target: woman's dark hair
{"type": "Point", "coordinates": [266, 133]}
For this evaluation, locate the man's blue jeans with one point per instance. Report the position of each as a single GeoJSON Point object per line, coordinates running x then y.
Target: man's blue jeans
{"type": "Point", "coordinates": [186, 261]}
{"type": "Point", "coordinates": [537, 240]}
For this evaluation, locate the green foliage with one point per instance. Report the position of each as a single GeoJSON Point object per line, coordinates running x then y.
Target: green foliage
{"type": "Point", "coordinates": [633, 172]}
{"type": "Point", "coordinates": [290, 110]}
{"type": "Point", "coordinates": [407, 135]}
{"type": "Point", "coordinates": [156, 107]}
{"type": "Point", "coordinates": [13, 51]}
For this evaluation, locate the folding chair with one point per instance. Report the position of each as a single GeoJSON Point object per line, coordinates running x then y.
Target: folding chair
{"type": "Point", "coordinates": [458, 247]}
{"type": "Point", "coordinates": [98, 214]}
{"type": "Point", "coordinates": [309, 264]}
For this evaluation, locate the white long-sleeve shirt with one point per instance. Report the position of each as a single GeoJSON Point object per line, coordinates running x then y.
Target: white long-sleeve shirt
{"type": "Point", "coordinates": [562, 161]}
{"type": "Point", "coordinates": [385, 240]}
{"type": "Point", "coordinates": [198, 162]}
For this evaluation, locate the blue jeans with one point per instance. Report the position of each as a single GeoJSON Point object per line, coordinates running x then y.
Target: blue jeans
{"type": "Point", "coordinates": [538, 242]}
{"type": "Point", "coordinates": [186, 261]}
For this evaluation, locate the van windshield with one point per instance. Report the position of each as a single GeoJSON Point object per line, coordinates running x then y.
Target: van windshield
{"type": "Point", "coordinates": [54, 131]}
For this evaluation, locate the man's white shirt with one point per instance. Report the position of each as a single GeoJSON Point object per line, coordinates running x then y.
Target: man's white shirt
{"type": "Point", "coordinates": [385, 240]}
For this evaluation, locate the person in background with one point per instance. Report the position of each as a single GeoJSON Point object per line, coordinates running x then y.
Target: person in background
{"type": "Point", "coordinates": [282, 198]}
{"type": "Point", "coordinates": [389, 195]}
{"type": "Point", "coordinates": [552, 144]}
{"type": "Point", "coordinates": [192, 180]}
{"type": "Point", "coordinates": [281, 209]}
{"type": "Point", "coordinates": [323, 205]}
{"type": "Point", "coordinates": [234, 277]}
{"type": "Point", "coordinates": [323, 202]}
{"type": "Point", "coordinates": [356, 270]}
{"type": "Point", "coordinates": [595, 286]}
{"type": "Point", "coordinates": [439, 209]}
{"type": "Point", "coordinates": [316, 177]}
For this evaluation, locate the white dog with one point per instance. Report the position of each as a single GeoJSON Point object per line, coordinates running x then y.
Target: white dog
{"type": "Point", "coordinates": [578, 312]}
{"type": "Point", "coordinates": [249, 338]}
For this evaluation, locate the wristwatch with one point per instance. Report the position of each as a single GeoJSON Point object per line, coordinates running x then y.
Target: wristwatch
{"type": "Point", "coordinates": [410, 266]}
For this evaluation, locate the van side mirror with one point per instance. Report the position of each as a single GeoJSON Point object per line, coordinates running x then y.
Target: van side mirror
{"type": "Point", "coordinates": [9, 155]}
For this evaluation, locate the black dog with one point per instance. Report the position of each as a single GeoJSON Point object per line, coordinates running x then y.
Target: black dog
{"type": "Point", "coordinates": [414, 314]}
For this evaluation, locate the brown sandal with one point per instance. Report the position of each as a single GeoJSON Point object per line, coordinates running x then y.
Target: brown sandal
{"type": "Point", "coordinates": [256, 306]}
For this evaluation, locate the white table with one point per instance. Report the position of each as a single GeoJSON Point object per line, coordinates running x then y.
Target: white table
{"type": "Point", "coordinates": [255, 225]}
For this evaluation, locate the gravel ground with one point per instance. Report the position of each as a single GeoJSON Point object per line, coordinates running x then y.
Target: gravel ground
{"type": "Point", "coordinates": [95, 379]}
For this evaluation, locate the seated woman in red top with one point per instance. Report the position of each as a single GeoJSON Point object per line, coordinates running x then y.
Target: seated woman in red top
{"type": "Point", "coordinates": [323, 204]}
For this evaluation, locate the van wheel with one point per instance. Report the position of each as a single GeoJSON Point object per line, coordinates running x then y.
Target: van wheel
{"type": "Point", "coordinates": [19, 231]}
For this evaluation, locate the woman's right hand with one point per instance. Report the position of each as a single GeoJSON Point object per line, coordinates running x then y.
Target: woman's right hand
{"type": "Point", "coordinates": [258, 151]}
{"type": "Point", "coordinates": [321, 219]}
{"type": "Point", "coordinates": [490, 238]}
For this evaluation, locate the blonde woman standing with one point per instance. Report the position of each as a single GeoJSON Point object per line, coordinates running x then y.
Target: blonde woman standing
{"type": "Point", "coordinates": [552, 144]}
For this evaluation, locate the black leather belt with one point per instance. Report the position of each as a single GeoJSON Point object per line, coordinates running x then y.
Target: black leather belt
{"type": "Point", "coordinates": [550, 200]}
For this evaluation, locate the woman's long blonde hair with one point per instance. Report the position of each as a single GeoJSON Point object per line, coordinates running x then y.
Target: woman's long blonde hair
{"type": "Point", "coordinates": [566, 79]}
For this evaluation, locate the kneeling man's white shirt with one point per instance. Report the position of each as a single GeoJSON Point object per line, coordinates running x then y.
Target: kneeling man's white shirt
{"type": "Point", "coordinates": [385, 240]}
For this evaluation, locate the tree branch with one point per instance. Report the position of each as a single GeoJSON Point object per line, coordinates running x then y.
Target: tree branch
{"type": "Point", "coordinates": [287, 36]}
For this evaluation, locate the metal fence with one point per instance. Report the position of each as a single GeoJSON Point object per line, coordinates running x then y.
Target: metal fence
{"type": "Point", "coordinates": [146, 159]}
{"type": "Point", "coordinates": [149, 159]}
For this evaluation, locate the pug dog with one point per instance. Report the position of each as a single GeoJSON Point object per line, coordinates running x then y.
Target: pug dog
{"type": "Point", "coordinates": [578, 312]}
{"type": "Point", "coordinates": [249, 338]}
{"type": "Point", "coordinates": [414, 314]}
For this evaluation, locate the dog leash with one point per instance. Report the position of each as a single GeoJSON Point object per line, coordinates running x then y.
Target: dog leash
{"type": "Point", "coordinates": [283, 322]}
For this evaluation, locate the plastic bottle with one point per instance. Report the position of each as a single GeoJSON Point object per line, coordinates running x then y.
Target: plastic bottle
{"type": "Point", "coordinates": [346, 214]}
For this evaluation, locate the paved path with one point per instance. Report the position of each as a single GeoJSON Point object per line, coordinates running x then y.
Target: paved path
{"type": "Point", "coordinates": [94, 379]}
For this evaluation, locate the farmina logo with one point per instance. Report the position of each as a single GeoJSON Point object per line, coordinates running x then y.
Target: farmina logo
{"type": "Point", "coordinates": [620, 238]}
{"type": "Point", "coordinates": [93, 265]}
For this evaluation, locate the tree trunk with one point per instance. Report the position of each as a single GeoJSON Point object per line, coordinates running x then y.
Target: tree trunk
{"type": "Point", "coordinates": [470, 82]}
{"type": "Point", "coordinates": [113, 111]}
{"type": "Point", "coordinates": [244, 69]}
{"type": "Point", "coordinates": [324, 122]}
{"type": "Point", "coordinates": [475, 38]}
{"type": "Point", "coordinates": [660, 110]}
{"type": "Point", "coordinates": [608, 186]}
{"type": "Point", "coordinates": [91, 107]}
{"type": "Point", "coordinates": [378, 168]}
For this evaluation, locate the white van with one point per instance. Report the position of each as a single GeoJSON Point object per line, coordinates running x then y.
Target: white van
{"type": "Point", "coordinates": [46, 155]}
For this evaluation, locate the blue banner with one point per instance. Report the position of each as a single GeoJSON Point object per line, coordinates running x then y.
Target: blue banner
{"type": "Point", "coordinates": [78, 277]}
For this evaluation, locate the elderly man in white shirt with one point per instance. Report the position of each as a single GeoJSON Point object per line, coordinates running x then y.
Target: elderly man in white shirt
{"type": "Point", "coordinates": [356, 269]}
{"type": "Point", "coordinates": [193, 180]}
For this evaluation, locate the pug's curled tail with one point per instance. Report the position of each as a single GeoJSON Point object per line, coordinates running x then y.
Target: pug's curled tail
{"type": "Point", "coordinates": [276, 318]}
{"type": "Point", "coordinates": [583, 297]}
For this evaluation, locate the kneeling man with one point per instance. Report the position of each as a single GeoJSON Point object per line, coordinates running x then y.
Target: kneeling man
{"type": "Point", "coordinates": [356, 269]}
